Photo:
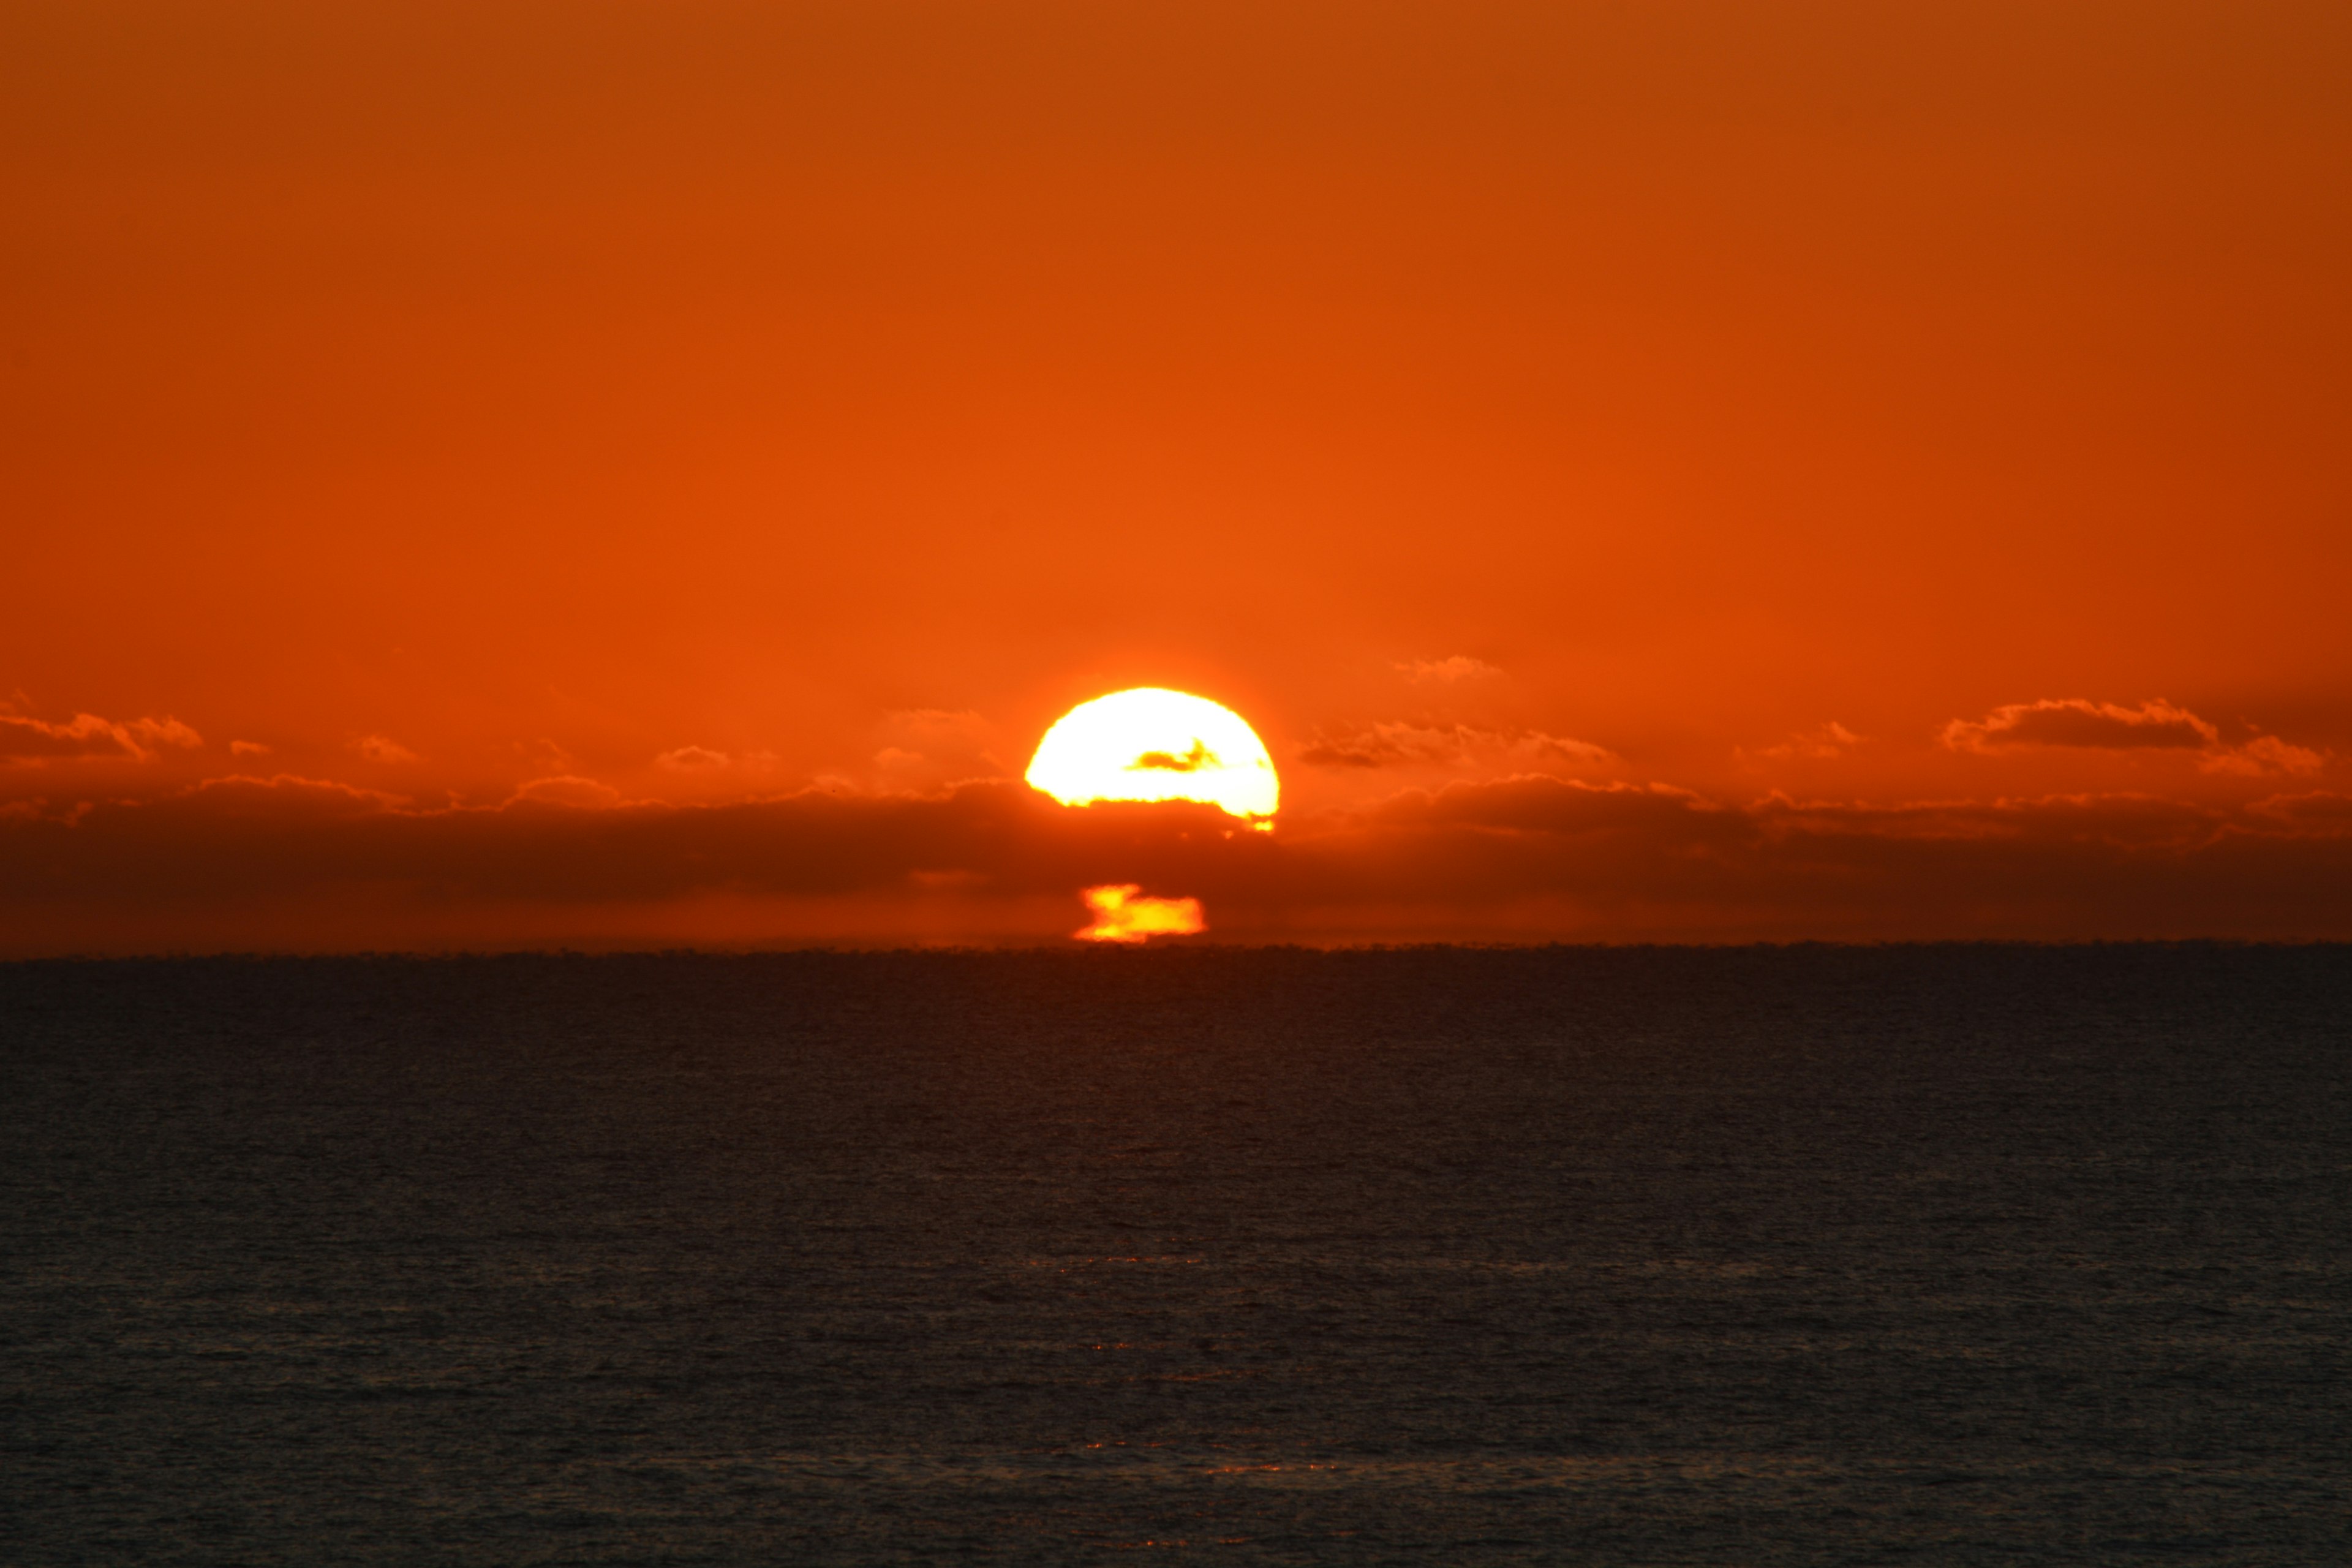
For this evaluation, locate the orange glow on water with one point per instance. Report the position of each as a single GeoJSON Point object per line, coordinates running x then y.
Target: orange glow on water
{"type": "Point", "coordinates": [1121, 914]}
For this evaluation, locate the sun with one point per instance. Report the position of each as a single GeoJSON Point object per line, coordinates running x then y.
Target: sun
{"type": "Point", "coordinates": [1151, 743]}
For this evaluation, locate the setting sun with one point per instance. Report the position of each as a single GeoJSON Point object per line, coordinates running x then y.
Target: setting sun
{"type": "Point", "coordinates": [1151, 743]}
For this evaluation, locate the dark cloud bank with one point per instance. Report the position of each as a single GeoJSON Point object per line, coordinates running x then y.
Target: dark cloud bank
{"type": "Point", "coordinates": [1520, 858]}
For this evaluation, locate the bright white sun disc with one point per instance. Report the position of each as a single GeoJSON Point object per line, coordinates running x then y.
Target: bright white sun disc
{"type": "Point", "coordinates": [1151, 743]}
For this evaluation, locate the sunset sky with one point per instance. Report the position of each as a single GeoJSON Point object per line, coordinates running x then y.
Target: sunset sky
{"type": "Point", "coordinates": [494, 474]}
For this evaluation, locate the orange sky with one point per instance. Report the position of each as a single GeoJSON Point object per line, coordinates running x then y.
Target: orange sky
{"type": "Point", "coordinates": [1740, 416]}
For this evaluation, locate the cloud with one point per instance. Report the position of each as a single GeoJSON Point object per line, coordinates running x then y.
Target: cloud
{"type": "Point", "coordinates": [960, 724]}
{"type": "Point", "coordinates": [932, 747]}
{"type": "Point", "coordinates": [282, 802]}
{"type": "Point", "coordinates": [2262, 756]}
{"type": "Point", "coordinates": [1456, 745]}
{"type": "Point", "coordinates": [1192, 761]}
{"type": "Point", "coordinates": [1538, 804]}
{"type": "Point", "coordinates": [248, 749]}
{"type": "Point", "coordinates": [1521, 857]}
{"type": "Point", "coordinates": [1831, 740]}
{"type": "Point", "coordinates": [2075, 721]}
{"type": "Point", "coordinates": [691, 759]}
{"type": "Point", "coordinates": [544, 755]}
{"type": "Point", "coordinates": [383, 748]}
{"type": "Point", "coordinates": [2107, 726]}
{"type": "Point", "coordinates": [1448, 672]}
{"type": "Point", "coordinates": [568, 789]}
{"type": "Point", "coordinates": [2322, 812]}
{"type": "Point", "coordinates": [87, 737]}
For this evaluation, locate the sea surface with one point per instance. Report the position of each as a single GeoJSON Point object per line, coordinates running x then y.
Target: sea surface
{"type": "Point", "coordinates": [1809, 1255]}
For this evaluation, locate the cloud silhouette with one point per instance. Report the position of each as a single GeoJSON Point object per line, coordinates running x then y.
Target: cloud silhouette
{"type": "Point", "coordinates": [1192, 761]}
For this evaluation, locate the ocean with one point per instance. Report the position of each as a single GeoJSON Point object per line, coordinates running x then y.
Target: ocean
{"type": "Point", "coordinates": [1972, 1253]}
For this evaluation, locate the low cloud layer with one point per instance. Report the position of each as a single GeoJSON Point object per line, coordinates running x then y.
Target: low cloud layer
{"type": "Point", "coordinates": [1522, 857]}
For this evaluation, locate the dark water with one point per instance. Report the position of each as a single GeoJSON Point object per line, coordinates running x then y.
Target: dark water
{"type": "Point", "coordinates": [1809, 1256]}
